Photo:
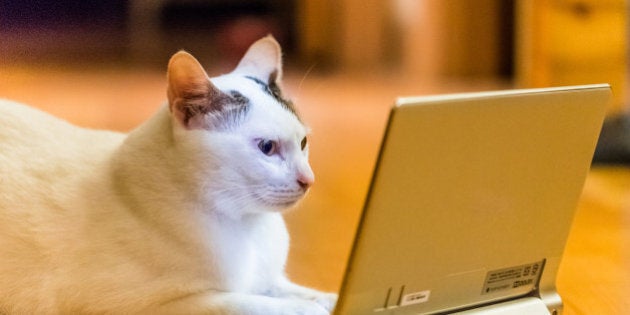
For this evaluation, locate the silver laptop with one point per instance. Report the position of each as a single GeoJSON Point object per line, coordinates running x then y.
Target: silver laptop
{"type": "Point", "coordinates": [472, 201]}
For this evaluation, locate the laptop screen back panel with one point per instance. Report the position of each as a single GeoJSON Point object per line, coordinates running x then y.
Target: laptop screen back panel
{"type": "Point", "coordinates": [472, 194]}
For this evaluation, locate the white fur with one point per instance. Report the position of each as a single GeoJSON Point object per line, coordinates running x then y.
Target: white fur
{"type": "Point", "coordinates": [164, 220]}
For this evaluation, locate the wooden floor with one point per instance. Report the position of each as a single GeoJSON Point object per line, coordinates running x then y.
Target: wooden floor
{"type": "Point", "coordinates": [347, 114]}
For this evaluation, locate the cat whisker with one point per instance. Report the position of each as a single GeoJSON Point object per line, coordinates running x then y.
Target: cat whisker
{"type": "Point", "coordinates": [279, 197]}
{"type": "Point", "coordinates": [308, 71]}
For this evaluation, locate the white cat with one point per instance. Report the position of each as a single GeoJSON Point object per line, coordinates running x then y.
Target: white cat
{"type": "Point", "coordinates": [180, 216]}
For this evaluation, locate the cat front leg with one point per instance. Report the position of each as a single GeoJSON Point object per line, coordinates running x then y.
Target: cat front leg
{"type": "Point", "coordinates": [232, 303]}
{"type": "Point", "coordinates": [284, 287]}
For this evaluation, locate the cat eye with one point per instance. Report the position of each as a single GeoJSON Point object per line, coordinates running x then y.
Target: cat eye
{"type": "Point", "coordinates": [303, 144]}
{"type": "Point", "coordinates": [268, 147]}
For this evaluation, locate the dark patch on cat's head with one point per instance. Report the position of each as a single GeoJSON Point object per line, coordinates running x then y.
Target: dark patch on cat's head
{"type": "Point", "coordinates": [212, 108]}
{"type": "Point", "coordinates": [273, 90]}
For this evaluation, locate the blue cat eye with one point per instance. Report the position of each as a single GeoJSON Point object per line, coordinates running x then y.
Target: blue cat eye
{"type": "Point", "coordinates": [268, 147]}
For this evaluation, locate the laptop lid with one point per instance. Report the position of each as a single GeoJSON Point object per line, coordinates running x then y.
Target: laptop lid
{"type": "Point", "coordinates": [472, 199]}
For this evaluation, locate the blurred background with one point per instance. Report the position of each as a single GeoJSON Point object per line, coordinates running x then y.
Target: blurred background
{"type": "Point", "coordinates": [530, 43]}
{"type": "Point", "coordinates": [101, 64]}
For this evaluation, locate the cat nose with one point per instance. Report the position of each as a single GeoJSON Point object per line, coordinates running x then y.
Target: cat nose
{"type": "Point", "coordinates": [306, 180]}
{"type": "Point", "coordinates": [304, 184]}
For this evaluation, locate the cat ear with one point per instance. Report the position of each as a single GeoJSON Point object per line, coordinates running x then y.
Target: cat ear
{"type": "Point", "coordinates": [190, 92]}
{"type": "Point", "coordinates": [263, 60]}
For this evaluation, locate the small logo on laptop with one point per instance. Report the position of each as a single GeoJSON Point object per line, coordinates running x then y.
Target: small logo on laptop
{"type": "Point", "coordinates": [415, 298]}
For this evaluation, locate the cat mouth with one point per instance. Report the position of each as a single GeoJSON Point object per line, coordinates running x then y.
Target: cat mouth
{"type": "Point", "coordinates": [280, 198]}
{"type": "Point", "coordinates": [286, 204]}
{"type": "Point", "coordinates": [282, 203]}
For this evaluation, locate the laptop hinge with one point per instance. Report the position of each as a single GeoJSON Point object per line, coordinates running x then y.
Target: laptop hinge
{"type": "Point", "coordinates": [553, 301]}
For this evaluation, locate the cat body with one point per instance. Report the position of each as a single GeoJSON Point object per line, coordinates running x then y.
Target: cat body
{"type": "Point", "coordinates": [180, 216]}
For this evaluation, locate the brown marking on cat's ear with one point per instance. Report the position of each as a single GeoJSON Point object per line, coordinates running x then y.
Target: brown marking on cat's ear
{"type": "Point", "coordinates": [195, 102]}
{"type": "Point", "coordinates": [262, 60]}
{"type": "Point", "coordinates": [190, 92]}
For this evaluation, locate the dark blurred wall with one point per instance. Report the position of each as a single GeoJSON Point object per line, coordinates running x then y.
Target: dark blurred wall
{"type": "Point", "coordinates": [148, 32]}
{"type": "Point", "coordinates": [62, 13]}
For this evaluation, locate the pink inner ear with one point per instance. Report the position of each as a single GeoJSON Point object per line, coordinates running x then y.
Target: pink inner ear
{"type": "Point", "coordinates": [186, 75]}
{"type": "Point", "coordinates": [188, 88]}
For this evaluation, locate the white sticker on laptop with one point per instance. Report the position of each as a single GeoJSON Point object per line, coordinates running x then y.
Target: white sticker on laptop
{"type": "Point", "coordinates": [415, 298]}
{"type": "Point", "coordinates": [513, 278]}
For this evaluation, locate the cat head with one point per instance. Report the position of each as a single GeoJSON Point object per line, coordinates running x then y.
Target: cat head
{"type": "Point", "coordinates": [243, 136]}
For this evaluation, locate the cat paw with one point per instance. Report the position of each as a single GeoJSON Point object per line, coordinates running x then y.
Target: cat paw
{"type": "Point", "coordinates": [302, 307]}
{"type": "Point", "coordinates": [326, 300]}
